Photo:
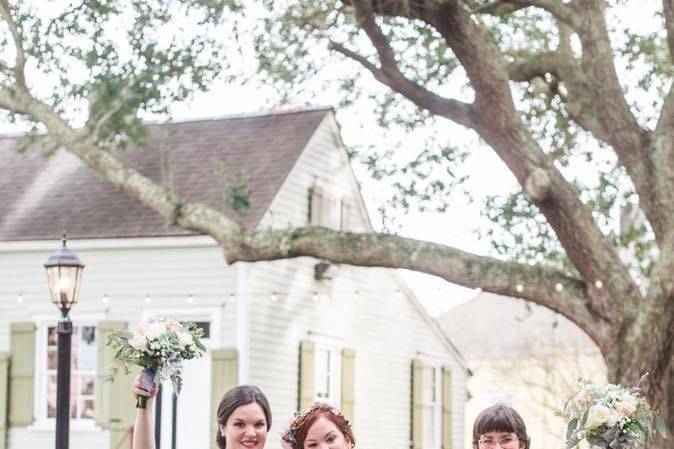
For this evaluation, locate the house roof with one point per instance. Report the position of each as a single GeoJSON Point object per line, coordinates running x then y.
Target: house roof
{"type": "Point", "coordinates": [41, 196]}
{"type": "Point", "coordinates": [496, 326]}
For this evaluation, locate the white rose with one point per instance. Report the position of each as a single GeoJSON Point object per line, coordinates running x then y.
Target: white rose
{"type": "Point", "coordinates": [138, 342]}
{"type": "Point", "coordinates": [598, 415]}
{"type": "Point", "coordinates": [155, 330]}
{"type": "Point", "coordinates": [185, 339]}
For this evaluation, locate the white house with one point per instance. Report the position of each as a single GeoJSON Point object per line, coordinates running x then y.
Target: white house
{"type": "Point", "coordinates": [301, 329]}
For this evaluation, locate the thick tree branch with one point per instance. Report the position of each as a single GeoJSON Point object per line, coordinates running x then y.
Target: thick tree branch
{"type": "Point", "coordinates": [559, 10]}
{"type": "Point", "coordinates": [597, 103]}
{"type": "Point", "coordinates": [445, 107]}
{"type": "Point", "coordinates": [545, 286]}
{"type": "Point", "coordinates": [20, 64]}
{"type": "Point", "coordinates": [668, 12]}
{"type": "Point", "coordinates": [8, 101]}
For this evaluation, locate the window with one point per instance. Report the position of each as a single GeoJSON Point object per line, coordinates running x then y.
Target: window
{"type": "Point", "coordinates": [326, 209]}
{"type": "Point", "coordinates": [82, 373]}
{"type": "Point", "coordinates": [328, 372]}
{"type": "Point", "coordinates": [432, 406]}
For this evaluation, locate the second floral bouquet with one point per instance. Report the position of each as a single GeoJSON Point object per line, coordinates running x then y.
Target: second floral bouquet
{"type": "Point", "coordinates": [159, 346]}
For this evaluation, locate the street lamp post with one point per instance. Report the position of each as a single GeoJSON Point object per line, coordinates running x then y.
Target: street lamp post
{"type": "Point", "coordinates": [64, 275]}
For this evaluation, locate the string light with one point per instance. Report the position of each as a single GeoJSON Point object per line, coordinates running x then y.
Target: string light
{"type": "Point", "coordinates": [599, 284]}
{"type": "Point", "coordinates": [105, 299]}
{"type": "Point", "coordinates": [397, 292]}
{"type": "Point", "coordinates": [190, 299]}
{"type": "Point", "coordinates": [637, 281]}
{"type": "Point", "coordinates": [148, 300]}
{"type": "Point", "coordinates": [519, 288]}
{"type": "Point", "coordinates": [232, 298]}
{"type": "Point", "coordinates": [356, 295]}
{"type": "Point", "coordinates": [19, 298]}
{"type": "Point", "coordinates": [274, 297]}
{"type": "Point", "coordinates": [314, 297]}
{"type": "Point", "coordinates": [559, 287]}
{"type": "Point", "coordinates": [478, 290]}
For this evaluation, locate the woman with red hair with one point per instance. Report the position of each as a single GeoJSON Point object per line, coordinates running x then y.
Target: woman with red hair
{"type": "Point", "coordinates": [319, 427]}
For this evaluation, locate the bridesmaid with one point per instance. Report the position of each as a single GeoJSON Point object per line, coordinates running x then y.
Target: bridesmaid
{"type": "Point", "coordinates": [319, 427]}
{"type": "Point", "coordinates": [244, 419]}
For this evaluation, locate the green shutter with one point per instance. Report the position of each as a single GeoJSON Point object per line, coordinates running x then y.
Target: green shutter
{"type": "Point", "coordinates": [315, 206]}
{"type": "Point", "coordinates": [223, 378]}
{"type": "Point", "coordinates": [446, 407]}
{"type": "Point", "coordinates": [4, 378]}
{"type": "Point", "coordinates": [22, 374]}
{"type": "Point", "coordinates": [417, 404]}
{"type": "Point", "coordinates": [115, 405]}
{"type": "Point", "coordinates": [307, 374]}
{"type": "Point", "coordinates": [348, 382]}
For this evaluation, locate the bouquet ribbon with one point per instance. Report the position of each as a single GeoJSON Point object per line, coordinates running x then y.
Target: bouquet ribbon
{"type": "Point", "coordinates": [147, 382]}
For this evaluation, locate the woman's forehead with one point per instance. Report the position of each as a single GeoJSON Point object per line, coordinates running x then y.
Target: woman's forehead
{"type": "Point", "coordinates": [321, 426]}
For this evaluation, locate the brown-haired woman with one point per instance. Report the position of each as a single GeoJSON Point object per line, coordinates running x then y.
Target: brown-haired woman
{"type": "Point", "coordinates": [244, 419]}
{"type": "Point", "coordinates": [319, 427]}
{"type": "Point", "coordinates": [501, 426]}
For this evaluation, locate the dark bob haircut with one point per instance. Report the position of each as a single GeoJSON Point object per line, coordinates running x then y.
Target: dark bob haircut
{"type": "Point", "coordinates": [500, 418]}
{"type": "Point", "coordinates": [235, 398]}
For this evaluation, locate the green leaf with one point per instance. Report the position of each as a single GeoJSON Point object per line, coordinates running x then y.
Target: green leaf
{"type": "Point", "coordinates": [571, 428]}
{"type": "Point", "coordinates": [199, 345]}
{"type": "Point", "coordinates": [661, 427]}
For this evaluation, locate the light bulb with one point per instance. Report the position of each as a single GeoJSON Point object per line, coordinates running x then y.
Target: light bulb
{"type": "Point", "coordinates": [274, 297]}
{"type": "Point", "coordinates": [232, 298]}
{"type": "Point", "coordinates": [105, 299]}
{"type": "Point", "coordinates": [356, 294]}
{"type": "Point", "coordinates": [559, 287]}
{"type": "Point", "coordinates": [190, 299]}
{"type": "Point", "coordinates": [519, 288]}
{"type": "Point", "coordinates": [148, 300]}
{"type": "Point", "coordinates": [315, 297]}
{"type": "Point", "coordinates": [599, 284]}
{"type": "Point", "coordinates": [19, 298]}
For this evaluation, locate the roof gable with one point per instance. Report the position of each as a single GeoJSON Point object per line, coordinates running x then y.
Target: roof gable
{"type": "Point", "coordinates": [42, 196]}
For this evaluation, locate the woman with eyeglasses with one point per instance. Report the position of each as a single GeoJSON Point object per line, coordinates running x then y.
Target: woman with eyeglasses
{"type": "Point", "coordinates": [500, 426]}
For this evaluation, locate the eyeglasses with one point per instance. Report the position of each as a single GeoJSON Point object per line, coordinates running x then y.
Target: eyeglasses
{"type": "Point", "coordinates": [504, 443]}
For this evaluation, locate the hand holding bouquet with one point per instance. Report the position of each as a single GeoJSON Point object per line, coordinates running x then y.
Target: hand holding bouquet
{"type": "Point", "coordinates": [610, 416]}
{"type": "Point", "coordinates": [159, 346]}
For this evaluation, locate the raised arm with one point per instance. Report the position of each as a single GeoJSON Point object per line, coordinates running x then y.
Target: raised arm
{"type": "Point", "coordinates": [143, 433]}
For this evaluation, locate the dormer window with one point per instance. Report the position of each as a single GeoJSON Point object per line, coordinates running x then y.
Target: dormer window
{"type": "Point", "coordinates": [327, 209]}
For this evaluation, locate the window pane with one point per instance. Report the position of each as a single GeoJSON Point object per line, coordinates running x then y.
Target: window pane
{"type": "Point", "coordinates": [87, 409]}
{"type": "Point", "coordinates": [428, 379]}
{"type": "Point", "coordinates": [429, 427]}
{"type": "Point", "coordinates": [322, 373]}
{"type": "Point", "coordinates": [86, 350]}
{"type": "Point", "coordinates": [52, 336]}
{"type": "Point", "coordinates": [87, 385]}
{"type": "Point", "coordinates": [51, 359]}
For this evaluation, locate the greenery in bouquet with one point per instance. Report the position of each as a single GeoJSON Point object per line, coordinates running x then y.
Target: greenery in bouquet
{"type": "Point", "coordinates": [159, 346]}
{"type": "Point", "coordinates": [610, 417]}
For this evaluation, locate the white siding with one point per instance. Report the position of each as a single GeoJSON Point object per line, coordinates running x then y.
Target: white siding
{"type": "Point", "coordinates": [385, 328]}
{"type": "Point", "coordinates": [126, 275]}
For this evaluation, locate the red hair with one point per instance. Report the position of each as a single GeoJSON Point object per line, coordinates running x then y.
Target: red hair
{"type": "Point", "coordinates": [300, 428]}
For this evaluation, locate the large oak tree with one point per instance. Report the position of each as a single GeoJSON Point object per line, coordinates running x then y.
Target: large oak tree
{"type": "Point", "coordinates": [543, 87]}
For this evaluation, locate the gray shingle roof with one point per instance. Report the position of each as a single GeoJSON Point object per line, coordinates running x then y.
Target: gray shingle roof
{"type": "Point", "coordinates": [499, 326]}
{"type": "Point", "coordinates": [41, 196]}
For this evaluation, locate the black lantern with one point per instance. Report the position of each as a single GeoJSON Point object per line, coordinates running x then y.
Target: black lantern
{"type": "Point", "coordinates": [64, 274]}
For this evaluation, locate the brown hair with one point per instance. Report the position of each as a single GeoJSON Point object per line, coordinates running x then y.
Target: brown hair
{"type": "Point", "coordinates": [300, 428]}
{"type": "Point", "coordinates": [500, 418]}
{"type": "Point", "coordinates": [235, 398]}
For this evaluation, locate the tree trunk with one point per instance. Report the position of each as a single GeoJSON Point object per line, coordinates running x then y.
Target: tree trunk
{"type": "Point", "coordinates": [657, 387]}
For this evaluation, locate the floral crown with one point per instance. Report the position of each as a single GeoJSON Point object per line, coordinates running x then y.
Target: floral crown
{"type": "Point", "coordinates": [298, 419]}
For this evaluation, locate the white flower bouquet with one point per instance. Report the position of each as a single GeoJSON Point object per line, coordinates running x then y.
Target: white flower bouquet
{"type": "Point", "coordinates": [610, 417]}
{"type": "Point", "coordinates": [159, 346]}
